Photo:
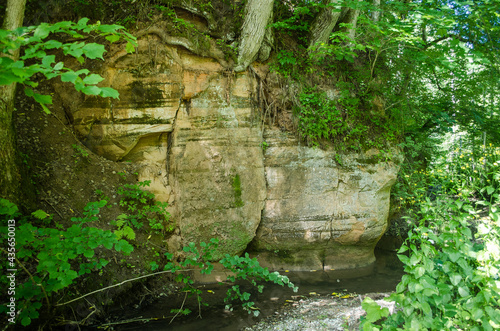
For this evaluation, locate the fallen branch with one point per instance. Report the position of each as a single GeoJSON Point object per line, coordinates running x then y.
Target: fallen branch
{"type": "Point", "coordinates": [116, 285]}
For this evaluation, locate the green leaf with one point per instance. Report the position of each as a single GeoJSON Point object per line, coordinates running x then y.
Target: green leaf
{"type": "Point", "coordinates": [7, 77]}
{"type": "Point", "coordinates": [45, 109]}
{"type": "Point", "coordinates": [373, 311]}
{"type": "Point", "coordinates": [113, 38]}
{"type": "Point", "coordinates": [463, 291]}
{"type": "Point", "coordinates": [94, 51]}
{"type": "Point", "coordinates": [59, 66]}
{"type": "Point", "coordinates": [51, 44]}
{"type": "Point", "coordinates": [29, 92]}
{"type": "Point", "coordinates": [91, 90]}
{"type": "Point", "coordinates": [128, 233]}
{"type": "Point", "coordinates": [40, 214]}
{"type": "Point", "coordinates": [419, 271]}
{"type": "Point", "coordinates": [107, 28]}
{"type": "Point", "coordinates": [7, 208]}
{"type": "Point", "coordinates": [124, 247]}
{"type": "Point", "coordinates": [43, 31]}
{"type": "Point", "coordinates": [48, 60]}
{"type": "Point", "coordinates": [93, 79]}
{"type": "Point", "coordinates": [82, 72]}
{"type": "Point", "coordinates": [69, 76]}
{"type": "Point", "coordinates": [130, 47]}
{"type": "Point", "coordinates": [42, 99]}
{"type": "Point", "coordinates": [82, 22]}
{"type": "Point", "coordinates": [88, 253]}
{"type": "Point", "coordinates": [74, 49]}
{"type": "Point", "coordinates": [26, 321]}
{"type": "Point", "coordinates": [454, 256]}
{"type": "Point", "coordinates": [455, 279]}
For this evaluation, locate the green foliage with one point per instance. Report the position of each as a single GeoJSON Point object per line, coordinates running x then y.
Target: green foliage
{"type": "Point", "coordinates": [452, 256]}
{"type": "Point", "coordinates": [264, 146]}
{"type": "Point", "coordinates": [80, 153]}
{"type": "Point", "coordinates": [342, 121]}
{"type": "Point", "coordinates": [468, 172]}
{"type": "Point", "coordinates": [243, 268]}
{"type": "Point", "coordinates": [140, 205]}
{"type": "Point", "coordinates": [178, 23]}
{"type": "Point", "coordinates": [341, 47]}
{"type": "Point", "coordinates": [295, 22]}
{"type": "Point", "coordinates": [52, 258]}
{"type": "Point", "coordinates": [353, 114]}
{"type": "Point", "coordinates": [286, 62]}
{"type": "Point", "coordinates": [374, 312]}
{"type": "Point", "coordinates": [40, 42]}
{"type": "Point", "coordinates": [246, 268]}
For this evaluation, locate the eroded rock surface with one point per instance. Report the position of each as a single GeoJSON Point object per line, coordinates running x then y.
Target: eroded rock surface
{"type": "Point", "coordinates": [196, 130]}
{"type": "Point", "coordinates": [323, 210]}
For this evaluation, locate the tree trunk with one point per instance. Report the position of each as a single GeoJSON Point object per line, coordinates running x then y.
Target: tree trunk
{"type": "Point", "coordinates": [352, 19]}
{"type": "Point", "coordinates": [257, 15]}
{"type": "Point", "coordinates": [376, 12]}
{"type": "Point", "coordinates": [10, 178]}
{"type": "Point", "coordinates": [325, 22]}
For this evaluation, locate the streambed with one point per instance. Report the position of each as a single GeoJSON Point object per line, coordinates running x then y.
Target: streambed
{"type": "Point", "coordinates": [325, 301]}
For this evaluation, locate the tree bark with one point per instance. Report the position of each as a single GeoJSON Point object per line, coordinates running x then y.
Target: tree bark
{"type": "Point", "coordinates": [351, 18]}
{"type": "Point", "coordinates": [257, 15]}
{"type": "Point", "coordinates": [376, 13]}
{"type": "Point", "coordinates": [324, 23]}
{"type": "Point", "coordinates": [10, 177]}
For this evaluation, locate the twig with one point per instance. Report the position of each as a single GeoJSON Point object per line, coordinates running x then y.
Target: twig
{"type": "Point", "coordinates": [78, 323]}
{"type": "Point", "coordinates": [133, 320]}
{"type": "Point", "coordinates": [31, 277]}
{"type": "Point", "coordinates": [119, 284]}
{"type": "Point", "coordinates": [180, 309]}
{"type": "Point", "coordinates": [199, 305]}
{"type": "Point", "coordinates": [57, 211]}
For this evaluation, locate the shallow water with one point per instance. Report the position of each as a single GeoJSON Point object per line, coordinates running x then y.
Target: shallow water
{"type": "Point", "coordinates": [383, 276]}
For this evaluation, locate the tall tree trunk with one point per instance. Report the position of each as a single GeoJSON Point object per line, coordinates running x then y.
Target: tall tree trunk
{"type": "Point", "coordinates": [257, 15]}
{"type": "Point", "coordinates": [325, 22]}
{"type": "Point", "coordinates": [351, 18]}
{"type": "Point", "coordinates": [376, 12]}
{"type": "Point", "coordinates": [10, 178]}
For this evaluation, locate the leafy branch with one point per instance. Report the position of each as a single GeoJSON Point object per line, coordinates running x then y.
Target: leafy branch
{"type": "Point", "coordinates": [36, 41]}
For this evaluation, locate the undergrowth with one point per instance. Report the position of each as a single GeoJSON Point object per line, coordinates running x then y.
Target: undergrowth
{"type": "Point", "coordinates": [452, 254]}
{"type": "Point", "coordinates": [47, 259]}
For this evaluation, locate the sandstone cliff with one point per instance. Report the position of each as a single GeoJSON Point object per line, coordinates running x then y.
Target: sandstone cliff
{"type": "Point", "coordinates": [196, 130]}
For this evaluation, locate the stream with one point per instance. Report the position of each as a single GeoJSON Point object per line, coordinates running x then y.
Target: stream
{"type": "Point", "coordinates": [382, 277]}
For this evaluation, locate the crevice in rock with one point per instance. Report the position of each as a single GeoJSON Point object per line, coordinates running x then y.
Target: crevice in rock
{"type": "Point", "coordinates": [170, 135]}
{"type": "Point", "coordinates": [169, 151]}
{"type": "Point", "coordinates": [187, 102]}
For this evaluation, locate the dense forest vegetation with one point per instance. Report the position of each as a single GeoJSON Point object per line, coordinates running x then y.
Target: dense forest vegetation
{"type": "Point", "coordinates": [417, 78]}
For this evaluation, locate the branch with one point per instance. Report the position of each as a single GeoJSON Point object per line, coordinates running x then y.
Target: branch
{"type": "Point", "coordinates": [119, 284]}
{"type": "Point", "coordinates": [31, 277]}
{"type": "Point", "coordinates": [454, 36]}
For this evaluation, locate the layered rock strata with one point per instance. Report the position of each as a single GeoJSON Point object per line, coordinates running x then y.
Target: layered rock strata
{"type": "Point", "coordinates": [196, 131]}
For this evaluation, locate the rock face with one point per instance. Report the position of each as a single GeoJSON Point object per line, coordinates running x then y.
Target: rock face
{"type": "Point", "coordinates": [196, 131]}
{"type": "Point", "coordinates": [217, 169]}
{"type": "Point", "coordinates": [319, 214]}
